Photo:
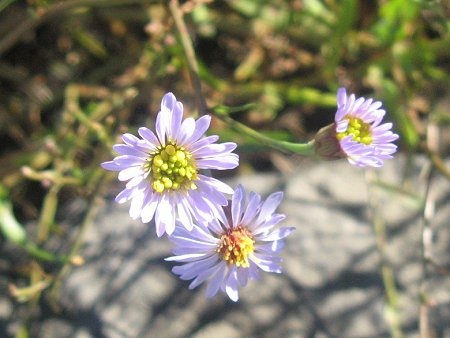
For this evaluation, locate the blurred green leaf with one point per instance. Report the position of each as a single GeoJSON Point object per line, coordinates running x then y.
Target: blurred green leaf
{"type": "Point", "coordinates": [409, 135]}
{"type": "Point", "coordinates": [205, 22]}
{"type": "Point", "coordinates": [296, 95]}
{"type": "Point", "coordinates": [345, 19]}
{"type": "Point", "coordinates": [90, 42]}
{"type": "Point", "coordinates": [5, 3]}
{"type": "Point", "coordinates": [9, 226]}
{"type": "Point", "coordinates": [249, 66]}
{"type": "Point", "coordinates": [395, 16]}
{"type": "Point", "coordinates": [246, 7]}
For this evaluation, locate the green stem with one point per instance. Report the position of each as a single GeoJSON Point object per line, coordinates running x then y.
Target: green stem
{"type": "Point", "coordinates": [43, 255]}
{"type": "Point", "coordinates": [9, 226]}
{"type": "Point", "coordinates": [14, 232]}
{"type": "Point", "coordinates": [305, 149]}
{"type": "Point", "coordinates": [47, 219]}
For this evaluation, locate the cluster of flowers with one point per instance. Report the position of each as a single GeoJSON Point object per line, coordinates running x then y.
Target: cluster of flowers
{"type": "Point", "coordinates": [220, 241]}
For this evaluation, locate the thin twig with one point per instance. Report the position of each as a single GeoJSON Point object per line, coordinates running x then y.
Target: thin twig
{"type": "Point", "coordinates": [48, 213]}
{"type": "Point", "coordinates": [186, 41]}
{"type": "Point", "coordinates": [427, 232]}
{"type": "Point", "coordinates": [79, 240]}
{"type": "Point", "coordinates": [426, 243]}
{"type": "Point", "coordinates": [387, 273]}
{"type": "Point", "coordinates": [177, 14]}
{"type": "Point", "coordinates": [439, 164]}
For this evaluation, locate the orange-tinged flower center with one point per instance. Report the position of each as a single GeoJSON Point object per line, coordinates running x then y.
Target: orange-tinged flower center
{"type": "Point", "coordinates": [235, 247]}
{"type": "Point", "coordinates": [359, 130]}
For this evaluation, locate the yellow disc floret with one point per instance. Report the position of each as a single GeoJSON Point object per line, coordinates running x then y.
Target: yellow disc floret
{"type": "Point", "coordinates": [171, 168]}
{"type": "Point", "coordinates": [359, 129]}
{"type": "Point", "coordinates": [235, 247]}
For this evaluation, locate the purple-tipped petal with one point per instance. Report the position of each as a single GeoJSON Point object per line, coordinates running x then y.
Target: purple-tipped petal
{"type": "Point", "coordinates": [237, 205]}
{"type": "Point", "coordinates": [168, 102]}
{"type": "Point", "coordinates": [268, 207]}
{"type": "Point", "coordinates": [341, 97]}
{"type": "Point", "coordinates": [111, 165]}
{"type": "Point", "coordinates": [201, 126]}
{"type": "Point", "coordinates": [186, 130]}
{"type": "Point", "coordinates": [148, 135]}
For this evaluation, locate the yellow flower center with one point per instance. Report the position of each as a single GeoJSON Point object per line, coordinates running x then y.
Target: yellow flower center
{"type": "Point", "coordinates": [236, 246]}
{"type": "Point", "coordinates": [172, 168]}
{"type": "Point", "coordinates": [359, 129]}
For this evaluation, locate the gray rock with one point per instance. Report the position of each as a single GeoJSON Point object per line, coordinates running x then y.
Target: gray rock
{"type": "Point", "coordinates": [331, 285]}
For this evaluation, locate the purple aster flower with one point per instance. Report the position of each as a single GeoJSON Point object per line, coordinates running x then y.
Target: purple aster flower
{"type": "Point", "coordinates": [357, 133]}
{"type": "Point", "coordinates": [362, 137]}
{"type": "Point", "coordinates": [230, 250]}
{"type": "Point", "coordinates": [162, 169]}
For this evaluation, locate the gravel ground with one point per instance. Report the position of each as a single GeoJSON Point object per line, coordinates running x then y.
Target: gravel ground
{"type": "Point", "coordinates": [331, 285]}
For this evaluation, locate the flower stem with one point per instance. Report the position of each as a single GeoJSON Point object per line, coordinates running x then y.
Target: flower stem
{"type": "Point", "coordinates": [305, 149]}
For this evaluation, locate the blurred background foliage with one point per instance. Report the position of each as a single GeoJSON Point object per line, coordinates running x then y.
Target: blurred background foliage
{"type": "Point", "coordinates": [75, 74]}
